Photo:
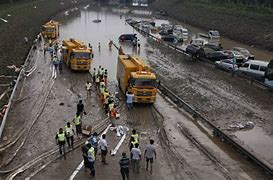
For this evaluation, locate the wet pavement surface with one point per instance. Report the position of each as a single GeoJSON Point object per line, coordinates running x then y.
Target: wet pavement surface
{"type": "Point", "coordinates": [217, 95]}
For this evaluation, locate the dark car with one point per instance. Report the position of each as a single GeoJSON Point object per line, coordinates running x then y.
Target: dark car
{"type": "Point", "coordinates": [127, 37]}
{"type": "Point", "coordinates": [214, 47]}
{"type": "Point", "coordinates": [169, 38]}
{"type": "Point", "coordinates": [192, 49]}
{"type": "Point", "coordinates": [211, 54]}
{"type": "Point", "coordinates": [165, 32]}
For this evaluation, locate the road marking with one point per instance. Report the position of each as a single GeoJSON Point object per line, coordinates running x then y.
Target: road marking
{"type": "Point", "coordinates": [81, 164]}
{"type": "Point", "coordinates": [76, 171]}
{"type": "Point", "coordinates": [113, 153]}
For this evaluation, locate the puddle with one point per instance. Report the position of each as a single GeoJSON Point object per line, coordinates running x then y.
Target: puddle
{"type": "Point", "coordinates": [258, 142]}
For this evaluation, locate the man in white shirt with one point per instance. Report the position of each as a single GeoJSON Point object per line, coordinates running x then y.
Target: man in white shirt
{"type": "Point", "coordinates": [135, 158]}
{"type": "Point", "coordinates": [150, 154]}
{"type": "Point", "coordinates": [88, 86]}
{"type": "Point", "coordinates": [102, 145]}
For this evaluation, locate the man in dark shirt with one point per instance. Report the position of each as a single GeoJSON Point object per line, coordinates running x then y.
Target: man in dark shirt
{"type": "Point", "coordinates": [84, 154]}
{"type": "Point", "coordinates": [124, 166]}
{"type": "Point", "coordinates": [80, 108]}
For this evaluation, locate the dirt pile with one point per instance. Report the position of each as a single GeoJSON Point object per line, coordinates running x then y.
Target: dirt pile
{"type": "Point", "coordinates": [24, 20]}
{"type": "Point", "coordinates": [249, 27]}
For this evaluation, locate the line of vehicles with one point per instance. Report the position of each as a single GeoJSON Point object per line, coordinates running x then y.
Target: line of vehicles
{"type": "Point", "coordinates": [133, 74]}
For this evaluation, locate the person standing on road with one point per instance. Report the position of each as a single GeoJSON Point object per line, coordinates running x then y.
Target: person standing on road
{"type": "Point", "coordinates": [60, 138]}
{"type": "Point", "coordinates": [69, 134]}
{"type": "Point", "coordinates": [91, 159]}
{"type": "Point", "coordinates": [94, 76]}
{"type": "Point", "coordinates": [124, 166]}
{"type": "Point", "coordinates": [135, 158]}
{"type": "Point", "coordinates": [99, 46]}
{"type": "Point", "coordinates": [135, 136]}
{"type": "Point", "coordinates": [80, 108]}
{"type": "Point", "coordinates": [78, 124]}
{"type": "Point", "coordinates": [104, 149]}
{"type": "Point", "coordinates": [94, 142]}
{"type": "Point", "coordinates": [84, 154]}
{"type": "Point", "coordinates": [129, 100]}
{"type": "Point", "coordinates": [88, 86]}
{"type": "Point", "coordinates": [150, 155]}
{"type": "Point", "coordinates": [97, 82]}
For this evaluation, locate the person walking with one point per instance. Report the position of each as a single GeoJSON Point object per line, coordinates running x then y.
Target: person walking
{"type": "Point", "coordinates": [60, 138]}
{"type": "Point", "coordinates": [104, 149]}
{"type": "Point", "coordinates": [78, 123]}
{"type": "Point", "coordinates": [84, 154]}
{"type": "Point", "coordinates": [99, 46]}
{"type": "Point", "coordinates": [94, 142]}
{"type": "Point", "coordinates": [132, 143]}
{"type": "Point", "coordinates": [135, 136]}
{"type": "Point", "coordinates": [150, 155]}
{"type": "Point", "coordinates": [69, 134]}
{"type": "Point", "coordinates": [97, 82]}
{"type": "Point", "coordinates": [60, 66]}
{"type": "Point", "coordinates": [91, 159]}
{"type": "Point", "coordinates": [55, 62]}
{"type": "Point", "coordinates": [88, 86]}
{"type": "Point", "coordinates": [94, 75]}
{"type": "Point", "coordinates": [80, 108]}
{"type": "Point", "coordinates": [129, 99]}
{"type": "Point", "coordinates": [124, 166]}
{"type": "Point", "coordinates": [135, 158]}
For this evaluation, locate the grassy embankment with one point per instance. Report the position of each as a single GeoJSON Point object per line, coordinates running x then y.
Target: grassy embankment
{"type": "Point", "coordinates": [25, 20]}
{"type": "Point", "coordinates": [249, 25]}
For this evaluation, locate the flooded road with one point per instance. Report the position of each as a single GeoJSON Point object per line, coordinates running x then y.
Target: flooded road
{"type": "Point", "coordinates": [221, 99]}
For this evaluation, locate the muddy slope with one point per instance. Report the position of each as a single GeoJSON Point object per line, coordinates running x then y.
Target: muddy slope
{"type": "Point", "coordinates": [246, 26]}
{"type": "Point", "coordinates": [24, 20]}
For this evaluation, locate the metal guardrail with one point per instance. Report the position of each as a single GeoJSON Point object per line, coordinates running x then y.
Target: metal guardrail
{"type": "Point", "coordinates": [22, 71]}
{"type": "Point", "coordinates": [180, 50]}
{"type": "Point", "coordinates": [216, 131]}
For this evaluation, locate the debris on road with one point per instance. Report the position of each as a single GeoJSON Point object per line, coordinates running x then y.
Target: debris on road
{"type": "Point", "coordinates": [4, 20]}
{"type": "Point", "coordinates": [243, 125]}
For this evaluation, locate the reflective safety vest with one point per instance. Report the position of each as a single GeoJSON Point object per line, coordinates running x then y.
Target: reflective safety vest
{"type": "Point", "coordinates": [106, 100]}
{"type": "Point", "coordinates": [77, 120]}
{"type": "Point", "coordinates": [111, 106]}
{"type": "Point", "coordinates": [97, 79]}
{"type": "Point", "coordinates": [69, 131]}
{"type": "Point", "coordinates": [61, 137]}
{"type": "Point", "coordinates": [105, 94]}
{"type": "Point", "coordinates": [135, 136]}
{"type": "Point", "coordinates": [91, 155]}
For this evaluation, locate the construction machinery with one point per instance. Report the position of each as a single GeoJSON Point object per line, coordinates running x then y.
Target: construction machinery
{"type": "Point", "coordinates": [134, 75]}
{"type": "Point", "coordinates": [50, 30]}
{"type": "Point", "coordinates": [76, 55]}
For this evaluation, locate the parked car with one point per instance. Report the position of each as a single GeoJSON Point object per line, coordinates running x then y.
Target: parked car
{"type": "Point", "coordinates": [245, 52]}
{"type": "Point", "coordinates": [214, 47]}
{"type": "Point", "coordinates": [211, 54]}
{"type": "Point", "coordinates": [127, 37]}
{"type": "Point", "coordinates": [166, 32]}
{"type": "Point", "coordinates": [192, 49]}
{"type": "Point", "coordinates": [198, 42]}
{"type": "Point", "coordinates": [240, 58]}
{"type": "Point", "coordinates": [226, 65]}
{"type": "Point", "coordinates": [169, 38]}
{"type": "Point", "coordinates": [254, 69]}
{"type": "Point", "coordinates": [214, 34]}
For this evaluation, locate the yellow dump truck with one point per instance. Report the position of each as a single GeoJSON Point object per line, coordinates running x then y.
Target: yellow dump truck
{"type": "Point", "coordinates": [76, 55]}
{"type": "Point", "coordinates": [134, 75]}
{"type": "Point", "coordinates": [50, 30]}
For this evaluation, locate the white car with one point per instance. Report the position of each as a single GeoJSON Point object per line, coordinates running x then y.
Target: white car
{"type": "Point", "coordinates": [227, 65]}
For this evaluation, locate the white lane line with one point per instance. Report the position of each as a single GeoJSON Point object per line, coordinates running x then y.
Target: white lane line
{"type": "Point", "coordinates": [81, 164]}
{"type": "Point", "coordinates": [113, 153]}
{"type": "Point", "coordinates": [106, 130]}
{"type": "Point", "coordinates": [76, 171]}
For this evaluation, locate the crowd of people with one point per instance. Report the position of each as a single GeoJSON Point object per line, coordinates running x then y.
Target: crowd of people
{"type": "Point", "coordinates": [55, 54]}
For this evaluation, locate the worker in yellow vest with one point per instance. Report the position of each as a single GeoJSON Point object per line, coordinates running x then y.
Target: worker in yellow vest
{"type": "Point", "coordinates": [60, 138]}
{"type": "Point", "coordinates": [91, 159]}
{"type": "Point", "coordinates": [135, 136]}
{"type": "Point", "coordinates": [69, 134]}
{"type": "Point", "coordinates": [78, 123]}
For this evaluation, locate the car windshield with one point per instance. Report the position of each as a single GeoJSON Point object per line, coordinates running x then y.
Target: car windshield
{"type": "Point", "coordinates": [143, 82]}
{"type": "Point", "coordinates": [81, 55]}
{"type": "Point", "coordinates": [214, 33]}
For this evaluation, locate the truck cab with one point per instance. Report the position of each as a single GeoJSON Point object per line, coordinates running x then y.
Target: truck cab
{"type": "Point", "coordinates": [76, 55]}
{"type": "Point", "coordinates": [50, 30]}
{"type": "Point", "coordinates": [134, 75]}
